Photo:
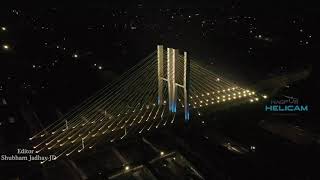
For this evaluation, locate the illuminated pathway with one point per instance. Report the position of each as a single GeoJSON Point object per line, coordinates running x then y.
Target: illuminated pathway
{"type": "Point", "coordinates": [147, 96]}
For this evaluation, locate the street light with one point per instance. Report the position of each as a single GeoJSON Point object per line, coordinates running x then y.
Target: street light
{"type": "Point", "coordinates": [5, 47]}
{"type": "Point", "coordinates": [127, 168]}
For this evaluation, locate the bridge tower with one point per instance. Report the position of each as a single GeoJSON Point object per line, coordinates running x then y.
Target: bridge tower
{"type": "Point", "coordinates": [172, 58]}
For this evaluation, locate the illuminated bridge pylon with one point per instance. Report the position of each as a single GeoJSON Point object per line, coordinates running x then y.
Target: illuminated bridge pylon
{"type": "Point", "coordinates": [171, 59]}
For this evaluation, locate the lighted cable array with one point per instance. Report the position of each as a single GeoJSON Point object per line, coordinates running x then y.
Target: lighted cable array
{"type": "Point", "coordinates": [208, 88]}
{"type": "Point", "coordinates": [137, 102]}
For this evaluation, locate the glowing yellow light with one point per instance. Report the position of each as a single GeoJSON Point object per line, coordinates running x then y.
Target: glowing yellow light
{"type": "Point", "coordinates": [161, 153]}
{"type": "Point", "coordinates": [264, 96]}
{"type": "Point", "coordinates": [5, 46]}
{"type": "Point", "coordinates": [218, 79]}
{"type": "Point", "coordinates": [127, 168]}
{"type": "Point", "coordinates": [253, 92]}
{"type": "Point", "coordinates": [202, 94]}
{"type": "Point", "coordinates": [229, 89]}
{"type": "Point", "coordinates": [200, 101]}
{"type": "Point", "coordinates": [3, 28]}
{"type": "Point", "coordinates": [251, 100]}
{"type": "Point", "coordinates": [257, 99]}
{"type": "Point", "coordinates": [208, 94]}
{"type": "Point", "coordinates": [223, 96]}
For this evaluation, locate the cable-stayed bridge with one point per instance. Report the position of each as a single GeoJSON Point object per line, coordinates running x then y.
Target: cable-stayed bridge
{"type": "Point", "coordinates": [148, 96]}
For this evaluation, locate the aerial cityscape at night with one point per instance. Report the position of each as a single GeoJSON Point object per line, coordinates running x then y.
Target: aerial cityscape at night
{"type": "Point", "coordinates": [222, 91]}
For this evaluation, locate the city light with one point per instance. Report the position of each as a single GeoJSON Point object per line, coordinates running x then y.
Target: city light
{"type": "Point", "coordinates": [5, 47]}
{"type": "Point", "coordinates": [127, 168]}
{"type": "Point", "coordinates": [3, 28]}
